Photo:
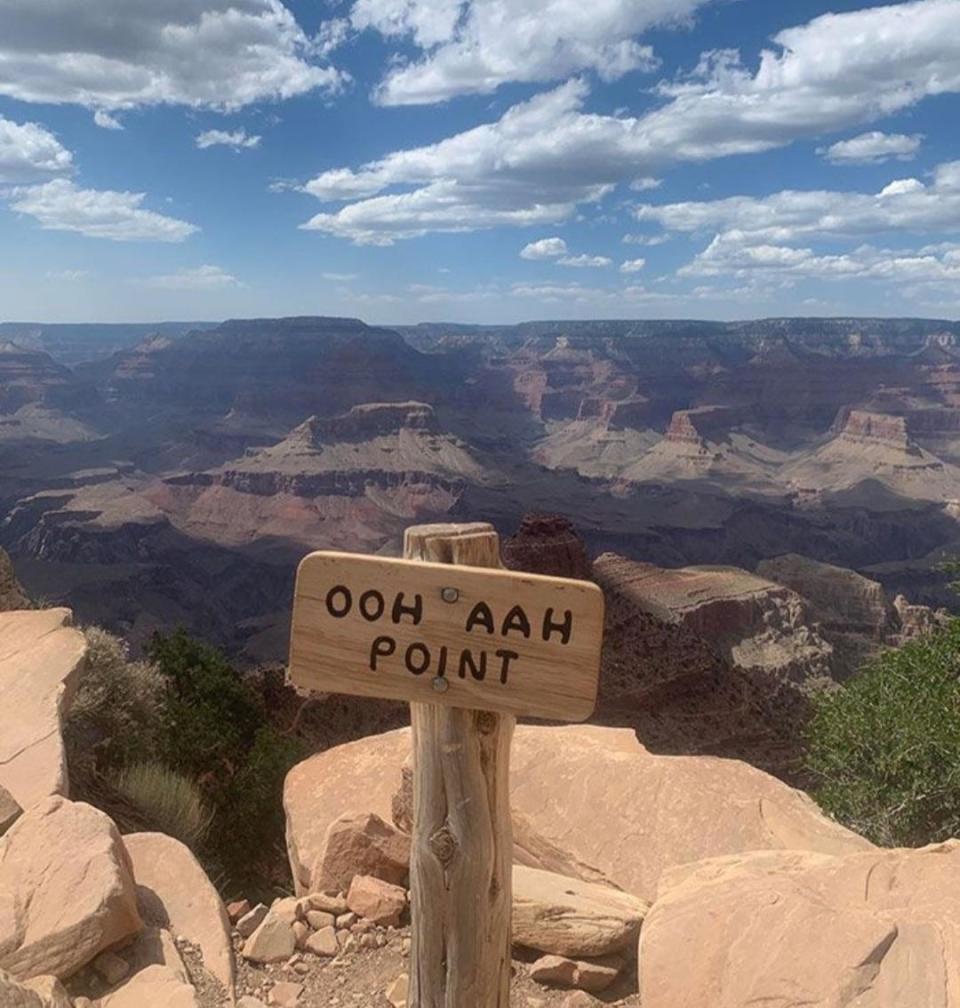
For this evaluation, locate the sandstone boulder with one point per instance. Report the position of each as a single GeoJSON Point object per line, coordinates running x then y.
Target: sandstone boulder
{"type": "Point", "coordinates": [66, 890]}
{"type": "Point", "coordinates": [568, 917]}
{"type": "Point", "coordinates": [153, 987]}
{"type": "Point", "coordinates": [326, 786]}
{"type": "Point", "coordinates": [376, 901]}
{"type": "Point", "coordinates": [363, 844]}
{"type": "Point", "coordinates": [875, 930]}
{"type": "Point", "coordinates": [173, 892]}
{"type": "Point", "coordinates": [40, 660]}
{"type": "Point", "coordinates": [273, 941]}
{"type": "Point", "coordinates": [594, 793]}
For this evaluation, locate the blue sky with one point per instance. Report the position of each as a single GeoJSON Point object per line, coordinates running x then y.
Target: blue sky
{"type": "Point", "coordinates": [478, 160]}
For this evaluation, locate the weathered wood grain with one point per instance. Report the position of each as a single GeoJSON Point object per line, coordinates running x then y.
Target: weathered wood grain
{"type": "Point", "coordinates": [460, 873]}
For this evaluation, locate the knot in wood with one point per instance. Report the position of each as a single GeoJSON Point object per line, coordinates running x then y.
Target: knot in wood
{"type": "Point", "coordinates": [487, 722]}
{"type": "Point", "coordinates": [443, 845]}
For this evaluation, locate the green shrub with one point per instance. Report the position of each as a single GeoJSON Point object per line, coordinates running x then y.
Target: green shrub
{"type": "Point", "coordinates": [884, 749]}
{"type": "Point", "coordinates": [215, 729]}
{"type": "Point", "coordinates": [118, 710]}
{"type": "Point", "coordinates": [172, 802]}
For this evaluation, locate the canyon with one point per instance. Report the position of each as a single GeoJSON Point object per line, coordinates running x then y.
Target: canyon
{"type": "Point", "coordinates": [174, 475]}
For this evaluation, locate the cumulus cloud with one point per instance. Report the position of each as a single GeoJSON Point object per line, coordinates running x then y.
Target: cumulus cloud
{"type": "Point", "coordinates": [202, 278]}
{"type": "Point", "coordinates": [238, 139]}
{"type": "Point", "coordinates": [545, 248]}
{"type": "Point", "coordinates": [632, 265]}
{"type": "Point", "coordinates": [106, 121]}
{"type": "Point", "coordinates": [732, 254]}
{"type": "Point", "coordinates": [477, 45]}
{"type": "Point", "coordinates": [29, 153]}
{"type": "Point", "coordinates": [826, 235]}
{"type": "Point", "coordinates": [117, 54]}
{"type": "Point", "coordinates": [545, 156]}
{"type": "Point", "coordinates": [59, 205]}
{"type": "Point", "coordinates": [874, 147]}
{"type": "Point", "coordinates": [585, 261]}
{"type": "Point", "coordinates": [903, 205]}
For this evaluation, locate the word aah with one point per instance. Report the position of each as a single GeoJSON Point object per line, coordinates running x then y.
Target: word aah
{"type": "Point", "coordinates": [418, 658]}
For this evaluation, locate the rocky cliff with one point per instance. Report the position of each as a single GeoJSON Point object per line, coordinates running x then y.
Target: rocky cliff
{"type": "Point", "coordinates": [852, 612]}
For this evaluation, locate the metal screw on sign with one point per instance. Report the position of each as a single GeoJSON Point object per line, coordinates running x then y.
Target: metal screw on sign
{"type": "Point", "coordinates": [449, 594]}
{"type": "Point", "coordinates": [440, 684]}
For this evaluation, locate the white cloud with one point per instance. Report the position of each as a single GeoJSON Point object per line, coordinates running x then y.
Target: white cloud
{"type": "Point", "coordinates": [585, 261]}
{"type": "Point", "coordinates": [117, 54]}
{"type": "Point", "coordinates": [874, 147]}
{"type": "Point", "coordinates": [632, 265]}
{"type": "Point", "coordinates": [645, 184]}
{"type": "Point", "coordinates": [202, 278]}
{"type": "Point", "coordinates": [238, 139]}
{"type": "Point", "coordinates": [29, 153]}
{"type": "Point", "coordinates": [904, 205]}
{"type": "Point", "coordinates": [70, 275]}
{"type": "Point", "coordinates": [545, 248]}
{"type": "Point", "coordinates": [474, 46]}
{"type": "Point", "coordinates": [545, 156]}
{"type": "Point", "coordinates": [106, 121]}
{"type": "Point", "coordinates": [60, 205]}
{"type": "Point", "coordinates": [339, 277]}
{"type": "Point", "coordinates": [732, 254]}
{"type": "Point", "coordinates": [648, 240]}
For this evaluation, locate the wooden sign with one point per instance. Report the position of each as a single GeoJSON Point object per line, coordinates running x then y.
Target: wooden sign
{"type": "Point", "coordinates": [470, 637]}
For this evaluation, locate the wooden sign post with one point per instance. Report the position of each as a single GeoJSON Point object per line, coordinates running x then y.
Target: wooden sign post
{"type": "Point", "coordinates": [471, 646]}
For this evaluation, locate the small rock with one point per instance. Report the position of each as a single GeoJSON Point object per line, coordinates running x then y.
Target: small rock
{"type": "Point", "coordinates": [328, 903]}
{"type": "Point", "coordinates": [323, 943]}
{"type": "Point", "coordinates": [250, 921]}
{"type": "Point", "coordinates": [273, 941]}
{"type": "Point", "coordinates": [558, 971]}
{"type": "Point", "coordinates": [578, 999]}
{"type": "Point", "coordinates": [554, 971]}
{"type": "Point", "coordinates": [398, 992]}
{"type": "Point", "coordinates": [363, 844]}
{"type": "Point", "coordinates": [285, 994]}
{"type": "Point", "coordinates": [301, 932]}
{"type": "Point", "coordinates": [318, 919]}
{"type": "Point", "coordinates": [377, 901]}
{"type": "Point", "coordinates": [368, 941]}
{"type": "Point", "coordinates": [346, 920]}
{"type": "Point", "coordinates": [247, 1001]}
{"type": "Point", "coordinates": [84, 1002]}
{"type": "Point", "coordinates": [238, 909]}
{"type": "Point", "coordinates": [110, 968]}
{"type": "Point", "coordinates": [287, 909]}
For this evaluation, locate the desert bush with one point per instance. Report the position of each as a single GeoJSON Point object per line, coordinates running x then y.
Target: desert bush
{"type": "Point", "coordinates": [172, 802]}
{"type": "Point", "coordinates": [118, 709]}
{"type": "Point", "coordinates": [884, 750]}
{"type": "Point", "coordinates": [215, 729]}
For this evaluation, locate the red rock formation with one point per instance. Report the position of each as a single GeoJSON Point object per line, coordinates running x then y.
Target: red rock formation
{"type": "Point", "coordinates": [547, 544]}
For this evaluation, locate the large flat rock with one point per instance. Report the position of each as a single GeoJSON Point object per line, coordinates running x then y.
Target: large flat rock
{"type": "Point", "coordinates": [568, 917]}
{"type": "Point", "coordinates": [66, 890]}
{"type": "Point", "coordinates": [40, 660]}
{"type": "Point", "coordinates": [880, 929]}
{"type": "Point", "coordinates": [173, 892]}
{"type": "Point", "coordinates": [594, 793]}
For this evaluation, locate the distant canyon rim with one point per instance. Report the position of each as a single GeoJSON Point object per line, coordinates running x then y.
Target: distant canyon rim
{"type": "Point", "coordinates": [157, 476]}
